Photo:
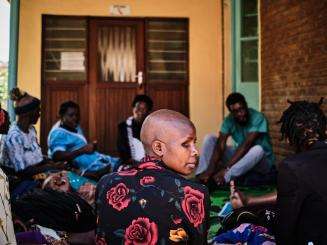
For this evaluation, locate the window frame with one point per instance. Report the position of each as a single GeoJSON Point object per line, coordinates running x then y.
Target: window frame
{"type": "Point", "coordinates": [237, 40]}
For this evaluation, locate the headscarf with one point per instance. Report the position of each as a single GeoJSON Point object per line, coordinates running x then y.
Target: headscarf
{"type": "Point", "coordinates": [24, 102]}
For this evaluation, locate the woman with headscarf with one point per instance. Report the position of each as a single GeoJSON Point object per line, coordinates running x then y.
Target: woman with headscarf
{"type": "Point", "coordinates": [24, 151]}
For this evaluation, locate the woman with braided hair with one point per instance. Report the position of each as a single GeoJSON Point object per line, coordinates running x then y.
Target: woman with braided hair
{"type": "Point", "coordinates": [301, 186]}
{"type": "Point", "coordinates": [24, 151]}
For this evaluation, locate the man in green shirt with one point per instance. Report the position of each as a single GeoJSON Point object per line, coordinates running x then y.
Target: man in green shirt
{"type": "Point", "coordinates": [252, 150]}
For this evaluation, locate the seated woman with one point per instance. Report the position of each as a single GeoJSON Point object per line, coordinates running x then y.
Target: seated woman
{"type": "Point", "coordinates": [128, 144]}
{"type": "Point", "coordinates": [24, 152]}
{"type": "Point", "coordinates": [66, 142]}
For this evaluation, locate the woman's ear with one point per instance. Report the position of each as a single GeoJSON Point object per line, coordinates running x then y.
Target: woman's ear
{"type": "Point", "coordinates": [158, 148]}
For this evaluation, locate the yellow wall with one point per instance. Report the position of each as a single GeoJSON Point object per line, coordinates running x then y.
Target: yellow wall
{"type": "Point", "coordinates": [205, 46]}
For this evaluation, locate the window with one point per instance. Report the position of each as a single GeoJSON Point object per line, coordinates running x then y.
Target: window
{"type": "Point", "coordinates": [65, 43]}
{"type": "Point", "coordinates": [246, 40]}
{"type": "Point", "coordinates": [167, 50]}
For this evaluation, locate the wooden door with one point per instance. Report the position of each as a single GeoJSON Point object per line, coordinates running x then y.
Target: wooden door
{"type": "Point", "coordinates": [122, 57]}
{"type": "Point", "coordinates": [63, 79]}
{"type": "Point", "coordinates": [116, 69]}
{"type": "Point", "coordinates": [167, 63]}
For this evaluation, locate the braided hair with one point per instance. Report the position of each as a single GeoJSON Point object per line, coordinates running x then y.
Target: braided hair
{"type": "Point", "coordinates": [303, 123]}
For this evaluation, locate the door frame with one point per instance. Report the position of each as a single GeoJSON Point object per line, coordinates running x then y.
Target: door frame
{"type": "Point", "coordinates": [91, 75]}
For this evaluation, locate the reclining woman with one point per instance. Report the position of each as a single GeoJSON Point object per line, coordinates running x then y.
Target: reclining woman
{"type": "Point", "coordinates": [66, 142]}
{"type": "Point", "coordinates": [67, 181]}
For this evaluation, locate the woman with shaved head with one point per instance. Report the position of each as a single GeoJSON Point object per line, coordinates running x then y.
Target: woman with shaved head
{"type": "Point", "coordinates": [152, 203]}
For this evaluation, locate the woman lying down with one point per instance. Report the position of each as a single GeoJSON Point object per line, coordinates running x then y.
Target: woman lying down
{"type": "Point", "coordinates": [67, 181]}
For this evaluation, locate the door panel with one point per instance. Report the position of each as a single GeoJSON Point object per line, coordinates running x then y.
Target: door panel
{"type": "Point", "coordinates": [167, 63]}
{"type": "Point", "coordinates": [112, 106]}
{"type": "Point", "coordinates": [113, 79]}
{"type": "Point", "coordinates": [169, 96]}
{"type": "Point", "coordinates": [55, 95]}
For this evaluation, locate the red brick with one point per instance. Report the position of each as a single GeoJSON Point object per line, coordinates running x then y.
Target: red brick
{"type": "Point", "coordinates": [293, 58]}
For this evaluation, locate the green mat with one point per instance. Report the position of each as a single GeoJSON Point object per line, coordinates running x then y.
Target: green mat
{"type": "Point", "coordinates": [220, 197]}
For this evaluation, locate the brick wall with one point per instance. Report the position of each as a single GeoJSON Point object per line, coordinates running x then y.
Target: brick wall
{"type": "Point", "coordinates": [293, 57]}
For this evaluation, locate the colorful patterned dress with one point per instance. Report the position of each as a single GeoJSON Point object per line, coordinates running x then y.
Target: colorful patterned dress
{"type": "Point", "coordinates": [151, 204]}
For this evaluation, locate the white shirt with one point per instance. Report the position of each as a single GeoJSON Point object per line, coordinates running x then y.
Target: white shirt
{"type": "Point", "coordinates": [23, 148]}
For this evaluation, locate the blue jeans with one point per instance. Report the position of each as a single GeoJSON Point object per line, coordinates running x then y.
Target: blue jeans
{"type": "Point", "coordinates": [253, 160]}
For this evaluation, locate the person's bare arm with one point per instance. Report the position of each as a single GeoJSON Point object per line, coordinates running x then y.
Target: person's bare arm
{"type": "Point", "coordinates": [69, 156]}
{"type": "Point", "coordinates": [266, 199]}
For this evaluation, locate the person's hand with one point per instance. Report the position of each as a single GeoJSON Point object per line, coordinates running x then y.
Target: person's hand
{"type": "Point", "coordinates": [219, 177]}
{"type": "Point", "coordinates": [95, 145]}
{"type": "Point", "coordinates": [237, 198]}
{"type": "Point", "coordinates": [60, 165]}
{"type": "Point", "coordinates": [87, 192]}
{"type": "Point", "coordinates": [88, 149]}
{"type": "Point", "coordinates": [205, 176]}
{"type": "Point", "coordinates": [55, 165]}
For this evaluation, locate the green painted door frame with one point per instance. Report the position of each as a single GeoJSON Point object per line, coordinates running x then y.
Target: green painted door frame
{"type": "Point", "coordinates": [13, 52]}
{"type": "Point", "coordinates": [249, 89]}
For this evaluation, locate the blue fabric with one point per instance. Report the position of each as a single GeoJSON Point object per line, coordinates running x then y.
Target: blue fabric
{"type": "Point", "coordinates": [23, 187]}
{"type": "Point", "coordinates": [257, 123]}
{"type": "Point", "coordinates": [246, 233]}
{"type": "Point", "coordinates": [61, 139]}
{"type": "Point", "coordinates": [31, 237]}
{"type": "Point", "coordinates": [76, 181]}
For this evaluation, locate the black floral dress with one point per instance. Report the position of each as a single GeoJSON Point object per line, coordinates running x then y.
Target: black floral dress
{"type": "Point", "coordinates": [151, 204]}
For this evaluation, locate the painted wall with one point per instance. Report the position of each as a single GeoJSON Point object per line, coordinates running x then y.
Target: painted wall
{"type": "Point", "coordinates": [206, 105]}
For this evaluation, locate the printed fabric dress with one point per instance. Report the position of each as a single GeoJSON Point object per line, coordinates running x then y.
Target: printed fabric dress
{"type": "Point", "coordinates": [151, 204]}
{"type": "Point", "coordinates": [63, 139]}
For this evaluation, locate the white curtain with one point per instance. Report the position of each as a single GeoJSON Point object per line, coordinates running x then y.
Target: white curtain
{"type": "Point", "coordinates": [117, 54]}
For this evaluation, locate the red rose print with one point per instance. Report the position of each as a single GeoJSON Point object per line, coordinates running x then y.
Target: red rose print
{"type": "Point", "coordinates": [131, 172]}
{"type": "Point", "coordinates": [192, 205]}
{"type": "Point", "coordinates": [177, 220]}
{"type": "Point", "coordinates": [147, 180]}
{"type": "Point", "coordinates": [118, 196]}
{"type": "Point", "coordinates": [149, 165]}
{"type": "Point", "coordinates": [141, 231]}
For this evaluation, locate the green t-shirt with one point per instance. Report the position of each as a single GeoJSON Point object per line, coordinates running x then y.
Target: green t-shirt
{"type": "Point", "coordinates": [257, 123]}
